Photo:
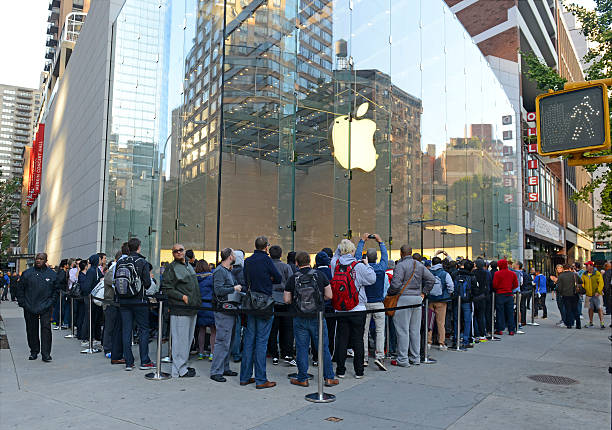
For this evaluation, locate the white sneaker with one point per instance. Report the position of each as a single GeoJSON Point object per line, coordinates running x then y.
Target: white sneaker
{"type": "Point", "coordinates": [442, 347]}
{"type": "Point", "coordinates": [350, 353]}
{"type": "Point", "coordinates": [366, 363]}
{"type": "Point", "coordinates": [358, 376]}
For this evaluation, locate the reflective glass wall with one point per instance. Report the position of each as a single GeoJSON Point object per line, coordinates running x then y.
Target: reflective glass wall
{"type": "Point", "coordinates": [314, 120]}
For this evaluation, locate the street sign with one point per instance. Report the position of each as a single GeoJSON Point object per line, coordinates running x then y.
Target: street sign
{"type": "Point", "coordinates": [573, 120]}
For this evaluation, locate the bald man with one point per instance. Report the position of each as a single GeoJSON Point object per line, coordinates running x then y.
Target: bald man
{"type": "Point", "coordinates": [36, 294]}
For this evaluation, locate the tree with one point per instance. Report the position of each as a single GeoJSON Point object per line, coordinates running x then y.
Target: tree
{"type": "Point", "coordinates": [10, 201]}
{"type": "Point", "coordinates": [597, 28]}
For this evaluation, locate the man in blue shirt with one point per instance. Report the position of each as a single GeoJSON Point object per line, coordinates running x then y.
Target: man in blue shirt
{"type": "Point", "coordinates": [376, 295]}
{"type": "Point", "coordinates": [540, 291]}
{"type": "Point", "coordinates": [260, 274]}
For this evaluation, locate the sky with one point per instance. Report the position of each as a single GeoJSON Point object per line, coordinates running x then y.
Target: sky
{"type": "Point", "coordinates": [23, 28]}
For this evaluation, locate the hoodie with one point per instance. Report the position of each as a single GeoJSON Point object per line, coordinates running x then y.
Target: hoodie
{"type": "Point", "coordinates": [484, 278]}
{"type": "Point", "coordinates": [92, 276]}
{"type": "Point", "coordinates": [504, 280]}
{"type": "Point", "coordinates": [364, 275]}
{"type": "Point", "coordinates": [322, 262]}
{"type": "Point", "coordinates": [238, 268]}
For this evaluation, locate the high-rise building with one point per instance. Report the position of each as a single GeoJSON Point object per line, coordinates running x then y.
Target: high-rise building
{"type": "Point", "coordinates": [18, 107]}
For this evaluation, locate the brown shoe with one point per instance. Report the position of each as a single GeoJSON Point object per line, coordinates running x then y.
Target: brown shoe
{"type": "Point", "coordinates": [331, 382]}
{"type": "Point", "coordinates": [250, 381]}
{"type": "Point", "coordinates": [298, 383]}
{"type": "Point", "coordinates": [267, 384]}
{"type": "Point", "coordinates": [121, 361]}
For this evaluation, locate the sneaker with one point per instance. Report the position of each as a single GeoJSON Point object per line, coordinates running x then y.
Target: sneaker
{"type": "Point", "coordinates": [590, 324]}
{"type": "Point", "coordinates": [414, 362]}
{"type": "Point", "coordinates": [210, 357]}
{"type": "Point", "coordinates": [291, 362]}
{"type": "Point", "coordinates": [85, 343]}
{"type": "Point", "coordinates": [470, 345]}
{"type": "Point", "coordinates": [477, 340]}
{"type": "Point", "coordinates": [380, 364]}
{"type": "Point", "coordinates": [462, 347]}
{"type": "Point", "coordinates": [396, 363]}
{"type": "Point", "coordinates": [275, 361]}
{"type": "Point", "coordinates": [603, 326]}
{"type": "Point", "coordinates": [190, 374]}
{"type": "Point", "coordinates": [315, 364]}
{"type": "Point", "coordinates": [511, 333]}
{"type": "Point", "coordinates": [201, 356]}
{"type": "Point", "coordinates": [366, 363]}
{"type": "Point", "coordinates": [442, 347]}
{"type": "Point", "coordinates": [129, 368]}
{"type": "Point", "coordinates": [350, 353]}
{"type": "Point", "coordinates": [107, 355]}
{"type": "Point", "coordinates": [340, 375]}
{"type": "Point", "coordinates": [217, 378]}
{"type": "Point", "coordinates": [358, 376]}
{"type": "Point", "coordinates": [499, 333]}
{"type": "Point", "coordinates": [147, 366]}
{"type": "Point", "coordinates": [482, 339]}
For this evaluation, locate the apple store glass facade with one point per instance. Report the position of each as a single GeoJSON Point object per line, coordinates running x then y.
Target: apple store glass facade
{"type": "Point", "coordinates": [308, 121]}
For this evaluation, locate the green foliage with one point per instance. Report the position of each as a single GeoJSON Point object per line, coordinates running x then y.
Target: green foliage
{"type": "Point", "coordinates": [546, 77]}
{"type": "Point", "coordinates": [10, 200]}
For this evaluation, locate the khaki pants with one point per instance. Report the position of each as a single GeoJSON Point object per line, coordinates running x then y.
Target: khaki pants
{"type": "Point", "coordinates": [440, 309]}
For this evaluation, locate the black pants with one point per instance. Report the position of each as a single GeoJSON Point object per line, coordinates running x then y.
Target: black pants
{"type": "Point", "coordinates": [331, 334]}
{"type": "Point", "coordinates": [525, 299]}
{"type": "Point", "coordinates": [480, 318]}
{"type": "Point", "coordinates": [570, 303]}
{"type": "Point", "coordinates": [541, 302]}
{"type": "Point", "coordinates": [35, 343]}
{"type": "Point", "coordinates": [96, 321]}
{"type": "Point", "coordinates": [5, 290]}
{"type": "Point", "coordinates": [350, 329]}
{"type": "Point", "coordinates": [281, 333]}
{"type": "Point", "coordinates": [488, 313]}
{"type": "Point", "coordinates": [112, 341]}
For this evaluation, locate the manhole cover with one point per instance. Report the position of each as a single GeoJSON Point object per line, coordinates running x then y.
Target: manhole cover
{"type": "Point", "coordinates": [551, 379]}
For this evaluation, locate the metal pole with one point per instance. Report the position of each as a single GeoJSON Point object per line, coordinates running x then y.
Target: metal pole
{"type": "Point", "coordinates": [518, 311]}
{"type": "Point", "coordinates": [58, 325]}
{"type": "Point", "coordinates": [158, 375]}
{"type": "Point", "coordinates": [91, 349]}
{"type": "Point", "coordinates": [71, 335]}
{"type": "Point", "coordinates": [533, 310]}
{"type": "Point", "coordinates": [168, 358]}
{"type": "Point", "coordinates": [427, 360]}
{"type": "Point", "coordinates": [320, 396]}
{"type": "Point", "coordinates": [387, 332]}
{"type": "Point", "coordinates": [493, 337]}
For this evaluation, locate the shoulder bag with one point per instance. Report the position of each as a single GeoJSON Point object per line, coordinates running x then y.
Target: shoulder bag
{"type": "Point", "coordinates": [579, 287]}
{"type": "Point", "coordinates": [256, 301]}
{"type": "Point", "coordinates": [391, 301]}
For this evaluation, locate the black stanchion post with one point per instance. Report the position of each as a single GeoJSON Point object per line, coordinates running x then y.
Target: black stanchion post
{"type": "Point", "coordinates": [158, 375]}
{"type": "Point", "coordinates": [493, 337]}
{"type": "Point", "coordinates": [458, 325]}
{"type": "Point", "coordinates": [320, 396]}
{"type": "Point", "coordinates": [58, 324]}
{"type": "Point", "coordinates": [533, 309]}
{"type": "Point", "coordinates": [91, 349]}
{"type": "Point", "coordinates": [387, 332]}
{"type": "Point", "coordinates": [427, 360]}
{"type": "Point", "coordinates": [168, 358]}
{"type": "Point", "coordinates": [71, 335]}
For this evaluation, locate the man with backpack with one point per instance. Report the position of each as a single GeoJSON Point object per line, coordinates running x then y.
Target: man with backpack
{"type": "Point", "coordinates": [132, 277]}
{"type": "Point", "coordinates": [306, 290]}
{"type": "Point", "coordinates": [180, 284]}
{"type": "Point", "coordinates": [348, 295]}
{"type": "Point", "coordinates": [412, 281]}
{"type": "Point", "coordinates": [439, 303]}
{"type": "Point", "coordinates": [375, 294]}
{"type": "Point", "coordinates": [465, 286]}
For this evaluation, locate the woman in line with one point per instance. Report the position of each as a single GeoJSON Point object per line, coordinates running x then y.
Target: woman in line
{"type": "Point", "coordinates": [205, 318]}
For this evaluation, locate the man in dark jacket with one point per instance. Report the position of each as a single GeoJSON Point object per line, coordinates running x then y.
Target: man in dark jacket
{"type": "Point", "coordinates": [526, 293]}
{"type": "Point", "coordinates": [92, 277]}
{"type": "Point", "coordinates": [260, 275]}
{"type": "Point", "coordinates": [479, 298]}
{"type": "Point", "coordinates": [322, 262]}
{"type": "Point", "coordinates": [465, 286]}
{"type": "Point", "coordinates": [137, 314]}
{"type": "Point", "coordinates": [282, 326]}
{"type": "Point", "coordinates": [180, 284]}
{"type": "Point", "coordinates": [62, 286]}
{"type": "Point", "coordinates": [36, 294]}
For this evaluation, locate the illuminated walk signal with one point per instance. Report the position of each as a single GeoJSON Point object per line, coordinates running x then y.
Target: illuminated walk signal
{"type": "Point", "coordinates": [573, 120]}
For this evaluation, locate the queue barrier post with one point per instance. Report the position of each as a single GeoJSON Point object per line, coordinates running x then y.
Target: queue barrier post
{"type": "Point", "coordinates": [320, 396]}
{"type": "Point", "coordinates": [71, 335]}
{"type": "Point", "coordinates": [518, 311]}
{"type": "Point", "coordinates": [533, 309]}
{"type": "Point", "coordinates": [387, 337]}
{"type": "Point", "coordinates": [493, 337]}
{"type": "Point", "coordinates": [158, 375]}
{"type": "Point", "coordinates": [91, 349]}
{"type": "Point", "coordinates": [427, 360]}
{"type": "Point", "coordinates": [168, 358]}
{"type": "Point", "coordinates": [58, 325]}
{"type": "Point", "coordinates": [458, 325]}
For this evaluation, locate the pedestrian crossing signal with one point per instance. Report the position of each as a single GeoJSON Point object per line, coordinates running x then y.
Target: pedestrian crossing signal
{"type": "Point", "coordinates": [573, 120]}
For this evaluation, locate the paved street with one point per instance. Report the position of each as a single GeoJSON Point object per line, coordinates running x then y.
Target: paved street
{"type": "Point", "coordinates": [486, 387]}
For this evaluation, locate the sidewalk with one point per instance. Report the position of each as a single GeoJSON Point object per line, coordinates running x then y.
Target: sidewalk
{"type": "Point", "coordinates": [485, 387]}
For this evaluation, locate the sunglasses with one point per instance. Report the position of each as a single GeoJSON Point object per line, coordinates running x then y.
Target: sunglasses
{"type": "Point", "coordinates": [178, 250]}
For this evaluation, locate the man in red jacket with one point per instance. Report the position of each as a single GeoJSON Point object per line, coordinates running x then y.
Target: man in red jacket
{"type": "Point", "coordinates": [504, 281]}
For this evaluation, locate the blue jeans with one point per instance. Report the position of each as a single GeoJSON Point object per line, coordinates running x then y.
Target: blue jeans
{"type": "Point", "coordinates": [466, 321]}
{"type": "Point", "coordinates": [237, 340]}
{"type": "Point", "coordinates": [140, 315]}
{"type": "Point", "coordinates": [305, 329]}
{"type": "Point", "coordinates": [255, 347]}
{"type": "Point", "coordinates": [561, 307]}
{"type": "Point", "coordinates": [504, 307]}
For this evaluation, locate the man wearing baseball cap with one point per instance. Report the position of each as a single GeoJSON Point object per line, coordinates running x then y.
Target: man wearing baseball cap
{"type": "Point", "coordinates": [593, 284]}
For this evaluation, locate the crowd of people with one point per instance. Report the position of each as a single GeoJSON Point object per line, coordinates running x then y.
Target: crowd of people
{"type": "Point", "coordinates": [249, 309]}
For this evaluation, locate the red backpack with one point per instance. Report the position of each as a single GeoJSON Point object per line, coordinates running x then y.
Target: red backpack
{"type": "Point", "coordinates": [344, 293]}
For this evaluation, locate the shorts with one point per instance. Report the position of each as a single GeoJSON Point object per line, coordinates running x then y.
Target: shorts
{"type": "Point", "coordinates": [595, 303]}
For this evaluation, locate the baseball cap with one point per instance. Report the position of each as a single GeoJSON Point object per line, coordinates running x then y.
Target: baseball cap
{"type": "Point", "coordinates": [589, 263]}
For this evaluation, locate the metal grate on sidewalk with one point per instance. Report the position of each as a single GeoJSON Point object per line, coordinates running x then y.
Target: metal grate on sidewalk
{"type": "Point", "coordinates": [552, 379]}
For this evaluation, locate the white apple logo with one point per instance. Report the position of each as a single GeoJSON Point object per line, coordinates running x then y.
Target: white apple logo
{"type": "Point", "coordinates": [363, 154]}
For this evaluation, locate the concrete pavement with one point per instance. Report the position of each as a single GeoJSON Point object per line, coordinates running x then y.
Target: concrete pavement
{"type": "Point", "coordinates": [485, 387]}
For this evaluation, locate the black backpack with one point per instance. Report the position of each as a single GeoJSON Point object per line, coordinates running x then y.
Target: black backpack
{"type": "Point", "coordinates": [306, 294]}
{"type": "Point", "coordinates": [126, 281]}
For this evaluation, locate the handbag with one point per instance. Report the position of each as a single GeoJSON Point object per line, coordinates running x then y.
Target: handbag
{"type": "Point", "coordinates": [391, 301]}
{"type": "Point", "coordinates": [579, 288]}
{"type": "Point", "coordinates": [256, 301]}
{"type": "Point", "coordinates": [98, 292]}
